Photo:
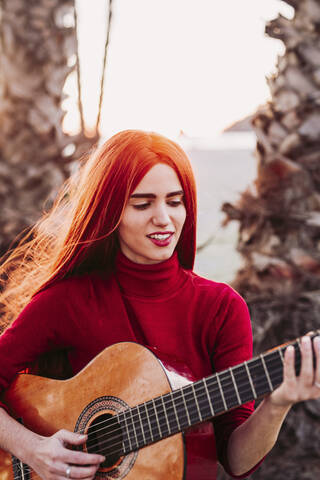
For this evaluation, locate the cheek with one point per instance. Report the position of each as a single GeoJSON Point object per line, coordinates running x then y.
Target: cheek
{"type": "Point", "coordinates": [130, 225]}
{"type": "Point", "coordinates": [182, 217]}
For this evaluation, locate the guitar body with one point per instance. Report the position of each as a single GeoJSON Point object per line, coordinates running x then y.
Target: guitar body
{"type": "Point", "coordinates": [122, 376]}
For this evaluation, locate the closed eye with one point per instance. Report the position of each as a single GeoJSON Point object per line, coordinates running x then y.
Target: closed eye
{"type": "Point", "coordinates": [171, 203]}
{"type": "Point", "coordinates": [175, 203]}
{"type": "Point", "coordinates": [141, 206]}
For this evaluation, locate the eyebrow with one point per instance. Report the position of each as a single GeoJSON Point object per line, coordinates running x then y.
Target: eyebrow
{"type": "Point", "coordinates": [152, 195]}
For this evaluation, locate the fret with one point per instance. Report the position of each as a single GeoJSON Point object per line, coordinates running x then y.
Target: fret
{"type": "Point", "coordinates": [170, 413]}
{"type": "Point", "coordinates": [250, 380]}
{"type": "Point", "coordinates": [191, 402]}
{"type": "Point", "coordinates": [235, 386]}
{"type": "Point", "coordinates": [165, 414]}
{"type": "Point", "coordinates": [148, 420]}
{"type": "Point", "coordinates": [227, 385]}
{"type": "Point", "coordinates": [156, 415]}
{"type": "Point", "coordinates": [275, 367]}
{"type": "Point", "coordinates": [181, 409]}
{"type": "Point", "coordinates": [200, 398]}
{"type": "Point", "coordinates": [258, 376]}
{"type": "Point", "coordinates": [142, 427]}
{"type": "Point", "coordinates": [208, 396]}
{"type": "Point", "coordinates": [132, 435]}
{"type": "Point", "coordinates": [161, 413]}
{"type": "Point", "coordinates": [146, 425]}
{"type": "Point", "coordinates": [266, 373]}
{"type": "Point", "coordinates": [175, 411]}
{"type": "Point", "coordinates": [185, 406]}
{"type": "Point", "coordinates": [124, 418]}
{"type": "Point", "coordinates": [155, 431]}
{"type": "Point", "coordinates": [281, 354]}
{"type": "Point", "coordinates": [137, 426]}
{"type": "Point", "coordinates": [221, 393]}
{"type": "Point", "coordinates": [196, 401]}
{"type": "Point", "coordinates": [215, 394]}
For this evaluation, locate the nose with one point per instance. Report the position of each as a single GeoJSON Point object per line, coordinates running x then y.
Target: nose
{"type": "Point", "coordinates": [161, 216]}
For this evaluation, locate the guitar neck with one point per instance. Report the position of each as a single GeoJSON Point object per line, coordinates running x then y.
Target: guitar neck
{"type": "Point", "coordinates": [197, 402]}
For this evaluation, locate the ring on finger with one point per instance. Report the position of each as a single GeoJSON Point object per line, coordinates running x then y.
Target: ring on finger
{"type": "Point", "coordinates": [68, 469]}
{"type": "Point", "coordinates": [317, 384]}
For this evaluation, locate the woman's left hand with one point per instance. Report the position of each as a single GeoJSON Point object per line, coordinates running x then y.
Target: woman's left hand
{"type": "Point", "coordinates": [306, 386]}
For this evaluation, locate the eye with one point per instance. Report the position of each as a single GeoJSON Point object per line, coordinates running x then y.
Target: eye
{"type": "Point", "coordinates": [175, 203]}
{"type": "Point", "coordinates": [141, 206]}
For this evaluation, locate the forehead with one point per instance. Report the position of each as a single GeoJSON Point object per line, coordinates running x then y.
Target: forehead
{"type": "Point", "coordinates": [159, 179]}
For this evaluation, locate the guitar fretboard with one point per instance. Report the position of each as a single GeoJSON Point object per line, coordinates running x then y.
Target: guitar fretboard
{"type": "Point", "coordinates": [174, 412]}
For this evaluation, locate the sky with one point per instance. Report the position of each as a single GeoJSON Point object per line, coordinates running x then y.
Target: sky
{"type": "Point", "coordinates": [194, 66]}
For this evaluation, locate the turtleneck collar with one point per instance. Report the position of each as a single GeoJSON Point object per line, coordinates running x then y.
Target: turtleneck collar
{"type": "Point", "coordinates": [148, 280]}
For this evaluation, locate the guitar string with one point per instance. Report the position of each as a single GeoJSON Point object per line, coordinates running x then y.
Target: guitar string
{"type": "Point", "coordinates": [25, 475]}
{"type": "Point", "coordinates": [152, 416]}
{"type": "Point", "coordinates": [271, 359]}
{"type": "Point", "coordinates": [111, 450]}
{"type": "Point", "coordinates": [297, 364]}
{"type": "Point", "coordinates": [117, 451]}
{"type": "Point", "coordinates": [106, 422]}
{"type": "Point", "coordinates": [204, 395]}
{"type": "Point", "coordinates": [109, 447]}
{"type": "Point", "coordinates": [198, 382]}
{"type": "Point", "coordinates": [114, 451]}
{"type": "Point", "coordinates": [190, 394]}
{"type": "Point", "coordinates": [112, 439]}
{"type": "Point", "coordinates": [155, 432]}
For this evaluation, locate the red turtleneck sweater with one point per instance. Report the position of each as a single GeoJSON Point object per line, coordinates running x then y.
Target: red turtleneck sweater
{"type": "Point", "coordinates": [203, 323]}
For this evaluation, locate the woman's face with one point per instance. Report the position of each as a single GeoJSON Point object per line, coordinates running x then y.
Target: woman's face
{"type": "Point", "coordinates": [153, 218]}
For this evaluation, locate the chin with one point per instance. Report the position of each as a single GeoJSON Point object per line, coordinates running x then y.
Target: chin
{"type": "Point", "coordinates": [162, 256]}
{"type": "Point", "coordinates": [159, 257]}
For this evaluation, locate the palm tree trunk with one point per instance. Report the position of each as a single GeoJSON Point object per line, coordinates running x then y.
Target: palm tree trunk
{"type": "Point", "coordinates": [38, 42]}
{"type": "Point", "coordinates": [279, 234]}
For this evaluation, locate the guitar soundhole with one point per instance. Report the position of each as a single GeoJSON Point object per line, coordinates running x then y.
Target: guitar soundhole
{"type": "Point", "coordinates": [105, 438]}
{"type": "Point", "coordinates": [99, 420]}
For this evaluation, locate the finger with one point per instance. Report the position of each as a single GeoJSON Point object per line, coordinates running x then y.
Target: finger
{"type": "Point", "coordinates": [316, 347]}
{"type": "Point", "coordinates": [79, 472]}
{"type": "Point", "coordinates": [81, 458]}
{"type": "Point", "coordinates": [306, 372]}
{"type": "Point", "coordinates": [70, 437]}
{"type": "Point", "coordinates": [289, 374]}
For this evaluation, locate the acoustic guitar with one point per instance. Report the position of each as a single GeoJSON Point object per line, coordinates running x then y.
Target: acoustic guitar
{"type": "Point", "coordinates": [135, 409]}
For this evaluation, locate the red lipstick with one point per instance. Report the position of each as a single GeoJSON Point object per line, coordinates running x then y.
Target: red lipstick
{"type": "Point", "coordinates": [161, 242]}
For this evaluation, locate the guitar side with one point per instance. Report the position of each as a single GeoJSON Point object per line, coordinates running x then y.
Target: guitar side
{"type": "Point", "coordinates": [124, 371]}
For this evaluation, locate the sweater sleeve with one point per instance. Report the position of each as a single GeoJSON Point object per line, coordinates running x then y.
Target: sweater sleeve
{"type": "Point", "coordinates": [34, 332]}
{"type": "Point", "coordinates": [233, 345]}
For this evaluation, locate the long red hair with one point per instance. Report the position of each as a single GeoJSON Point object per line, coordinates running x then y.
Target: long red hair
{"type": "Point", "coordinates": [79, 233]}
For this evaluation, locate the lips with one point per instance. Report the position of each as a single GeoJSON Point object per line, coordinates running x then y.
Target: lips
{"type": "Point", "coordinates": [161, 239]}
{"type": "Point", "coordinates": [160, 236]}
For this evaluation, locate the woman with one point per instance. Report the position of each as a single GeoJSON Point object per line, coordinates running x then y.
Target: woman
{"type": "Point", "coordinates": [112, 261]}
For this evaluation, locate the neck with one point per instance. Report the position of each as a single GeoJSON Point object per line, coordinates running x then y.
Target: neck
{"type": "Point", "coordinates": [148, 280]}
{"type": "Point", "coordinates": [204, 399]}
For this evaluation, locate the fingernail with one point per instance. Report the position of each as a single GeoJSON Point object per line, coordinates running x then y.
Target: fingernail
{"type": "Point", "coordinates": [290, 348]}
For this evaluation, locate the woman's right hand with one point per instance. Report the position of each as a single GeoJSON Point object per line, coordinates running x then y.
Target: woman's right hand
{"type": "Point", "coordinates": [52, 460]}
